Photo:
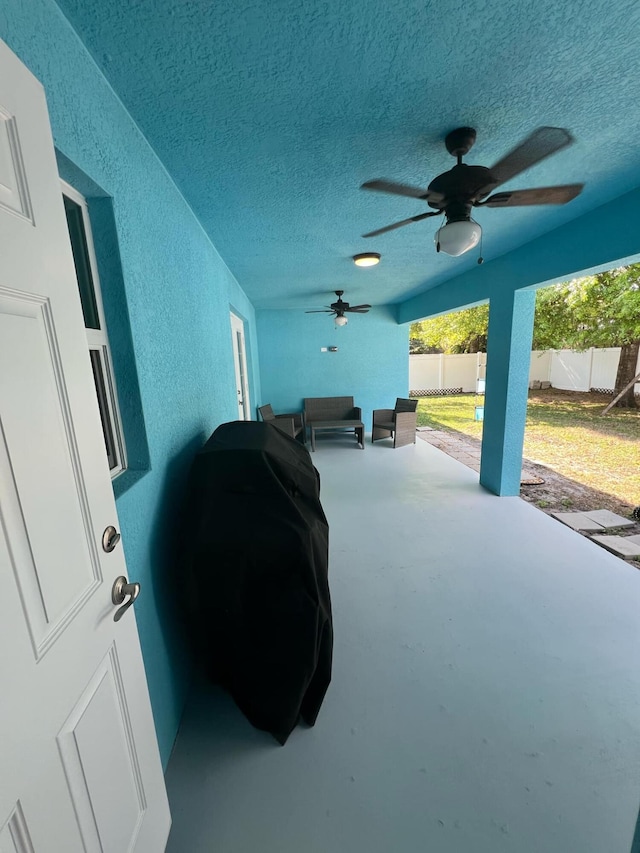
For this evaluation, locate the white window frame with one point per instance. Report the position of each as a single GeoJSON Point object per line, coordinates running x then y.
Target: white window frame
{"type": "Point", "coordinates": [98, 340]}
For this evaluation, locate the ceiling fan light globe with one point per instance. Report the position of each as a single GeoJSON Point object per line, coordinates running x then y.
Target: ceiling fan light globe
{"type": "Point", "coordinates": [456, 238]}
{"type": "Point", "coordinates": [341, 320]}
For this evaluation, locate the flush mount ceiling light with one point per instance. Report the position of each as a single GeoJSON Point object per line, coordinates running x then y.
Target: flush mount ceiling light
{"type": "Point", "coordinates": [366, 259]}
{"type": "Point", "coordinates": [456, 192]}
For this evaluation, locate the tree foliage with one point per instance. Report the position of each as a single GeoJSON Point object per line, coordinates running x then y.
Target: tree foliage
{"type": "Point", "coordinates": [598, 311]}
{"type": "Point", "coordinates": [601, 310]}
{"type": "Point", "coordinates": [463, 331]}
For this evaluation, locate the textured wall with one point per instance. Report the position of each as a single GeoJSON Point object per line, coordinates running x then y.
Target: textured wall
{"type": "Point", "coordinates": [178, 294]}
{"type": "Point", "coordinates": [372, 362]}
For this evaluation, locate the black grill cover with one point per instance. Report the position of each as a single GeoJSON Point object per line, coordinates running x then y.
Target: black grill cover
{"type": "Point", "coordinates": [256, 560]}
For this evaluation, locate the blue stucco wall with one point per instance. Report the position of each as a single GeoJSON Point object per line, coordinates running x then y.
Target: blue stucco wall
{"type": "Point", "coordinates": [178, 296]}
{"type": "Point", "coordinates": [372, 362]}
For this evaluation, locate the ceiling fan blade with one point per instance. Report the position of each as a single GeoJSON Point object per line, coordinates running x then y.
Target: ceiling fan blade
{"type": "Point", "coordinates": [359, 307]}
{"type": "Point", "coordinates": [540, 195]}
{"type": "Point", "coordinates": [400, 224]}
{"type": "Point", "coordinates": [321, 311]}
{"type": "Point", "coordinates": [383, 186]}
{"type": "Point", "coordinates": [540, 144]}
{"type": "Point", "coordinates": [357, 310]}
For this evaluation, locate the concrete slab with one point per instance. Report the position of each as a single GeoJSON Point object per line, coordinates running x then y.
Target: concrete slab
{"type": "Point", "coordinates": [605, 518]}
{"type": "Point", "coordinates": [485, 687]}
{"type": "Point", "coordinates": [621, 546]}
{"type": "Point", "coordinates": [577, 520]}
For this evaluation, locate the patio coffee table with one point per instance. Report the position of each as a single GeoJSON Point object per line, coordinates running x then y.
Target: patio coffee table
{"type": "Point", "coordinates": [356, 426]}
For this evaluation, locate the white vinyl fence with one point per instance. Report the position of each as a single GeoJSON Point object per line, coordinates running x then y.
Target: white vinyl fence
{"type": "Point", "coordinates": [564, 369]}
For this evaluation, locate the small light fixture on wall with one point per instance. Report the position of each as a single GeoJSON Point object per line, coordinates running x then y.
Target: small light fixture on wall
{"type": "Point", "coordinates": [367, 259]}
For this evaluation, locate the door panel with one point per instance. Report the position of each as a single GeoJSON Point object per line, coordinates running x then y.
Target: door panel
{"type": "Point", "coordinates": [14, 194]}
{"type": "Point", "coordinates": [80, 770]}
{"type": "Point", "coordinates": [97, 735]}
{"type": "Point", "coordinates": [37, 437]}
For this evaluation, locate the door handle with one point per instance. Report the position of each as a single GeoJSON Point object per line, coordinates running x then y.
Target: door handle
{"type": "Point", "coordinates": [120, 590]}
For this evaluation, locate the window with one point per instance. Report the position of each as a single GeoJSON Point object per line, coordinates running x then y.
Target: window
{"type": "Point", "coordinates": [97, 341]}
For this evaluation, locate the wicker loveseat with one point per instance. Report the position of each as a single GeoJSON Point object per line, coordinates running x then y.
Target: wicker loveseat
{"type": "Point", "coordinates": [400, 423]}
{"type": "Point", "coordinates": [333, 413]}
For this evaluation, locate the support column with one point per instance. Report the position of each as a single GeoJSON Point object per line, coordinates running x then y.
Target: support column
{"type": "Point", "coordinates": [505, 409]}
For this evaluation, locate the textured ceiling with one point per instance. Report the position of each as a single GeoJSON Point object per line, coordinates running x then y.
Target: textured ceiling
{"type": "Point", "coordinates": [269, 115]}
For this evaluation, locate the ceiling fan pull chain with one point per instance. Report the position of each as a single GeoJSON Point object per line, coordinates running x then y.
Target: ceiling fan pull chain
{"type": "Point", "coordinates": [444, 219]}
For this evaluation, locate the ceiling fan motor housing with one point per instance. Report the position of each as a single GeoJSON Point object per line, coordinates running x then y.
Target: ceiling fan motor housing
{"type": "Point", "coordinates": [339, 306]}
{"type": "Point", "coordinates": [458, 211]}
{"type": "Point", "coordinates": [461, 184]}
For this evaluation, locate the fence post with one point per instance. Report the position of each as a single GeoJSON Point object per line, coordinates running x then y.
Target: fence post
{"type": "Point", "coordinates": [441, 372]}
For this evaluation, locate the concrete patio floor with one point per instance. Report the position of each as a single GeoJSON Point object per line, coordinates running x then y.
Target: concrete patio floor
{"type": "Point", "coordinates": [485, 694]}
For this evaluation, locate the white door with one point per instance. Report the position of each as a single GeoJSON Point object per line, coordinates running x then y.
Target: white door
{"type": "Point", "coordinates": [240, 364]}
{"type": "Point", "coordinates": [79, 765]}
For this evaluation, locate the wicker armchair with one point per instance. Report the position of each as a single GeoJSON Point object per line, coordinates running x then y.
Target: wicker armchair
{"type": "Point", "coordinates": [400, 423]}
{"type": "Point", "coordinates": [292, 423]}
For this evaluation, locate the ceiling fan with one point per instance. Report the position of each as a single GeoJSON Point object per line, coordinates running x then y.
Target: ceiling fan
{"type": "Point", "coordinates": [340, 308]}
{"type": "Point", "coordinates": [456, 192]}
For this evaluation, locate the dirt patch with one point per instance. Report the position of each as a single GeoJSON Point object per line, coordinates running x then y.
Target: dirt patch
{"type": "Point", "coordinates": [553, 395]}
{"type": "Point", "coordinates": [561, 494]}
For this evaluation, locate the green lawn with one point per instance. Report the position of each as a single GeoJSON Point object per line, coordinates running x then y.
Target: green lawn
{"type": "Point", "coordinates": [566, 432]}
